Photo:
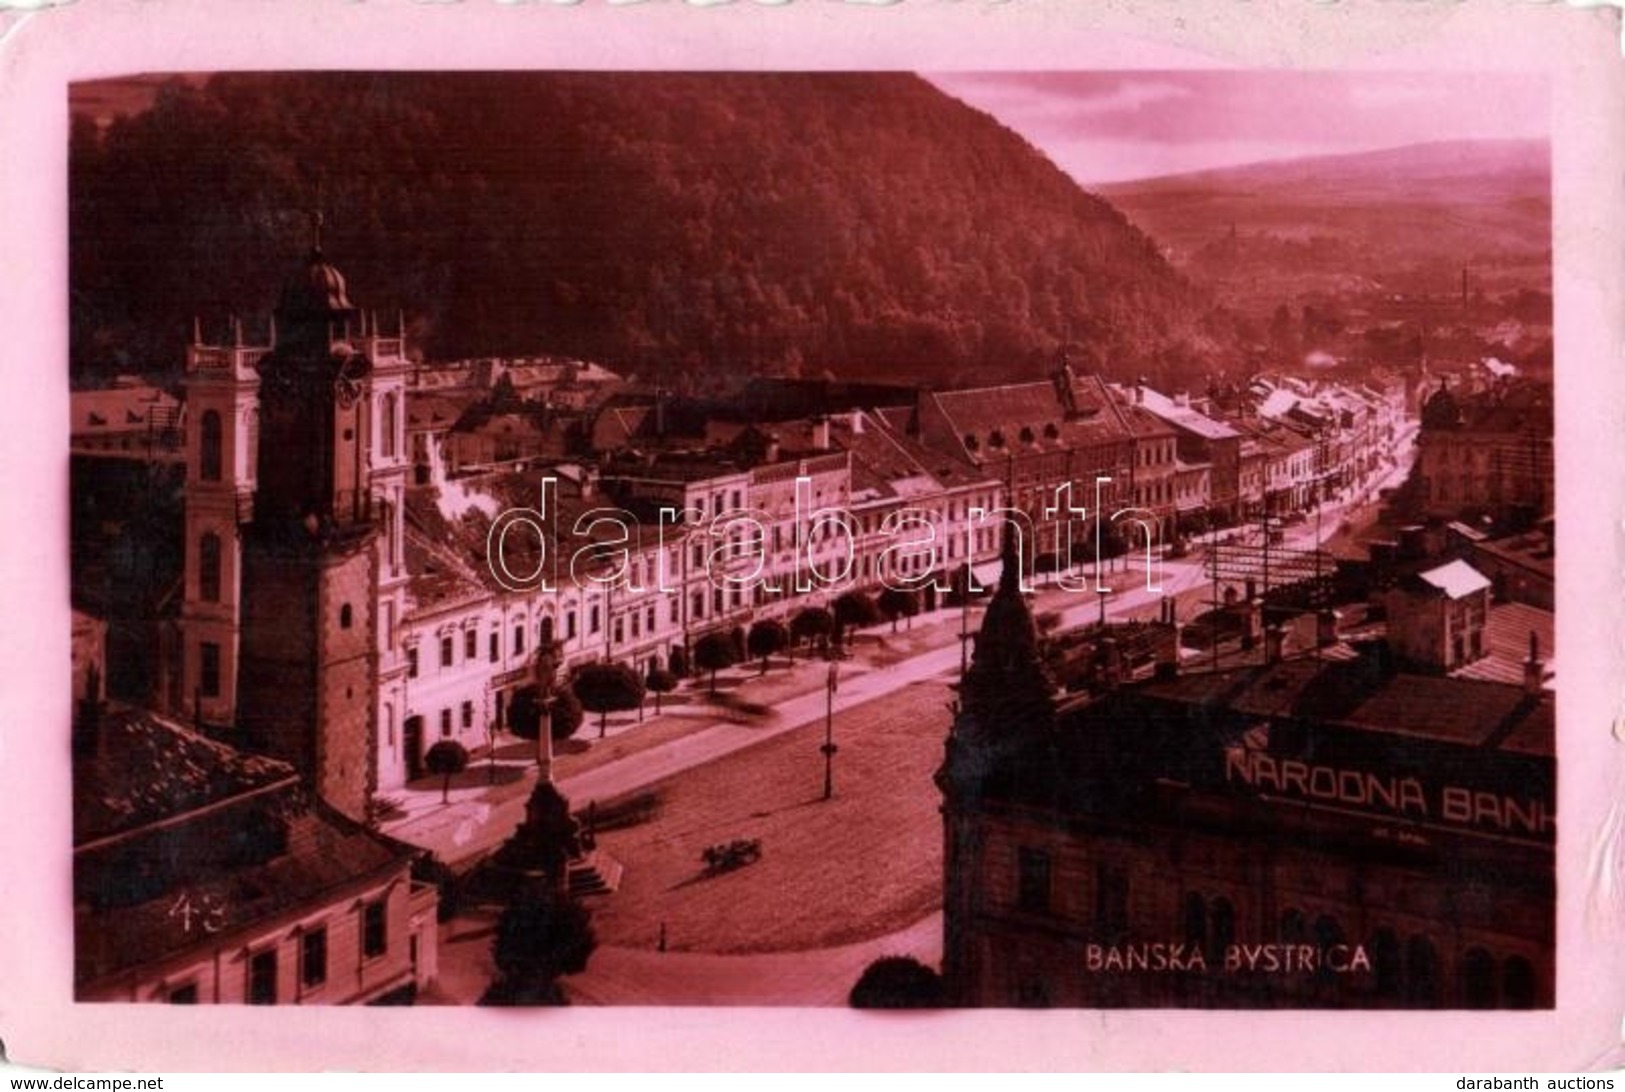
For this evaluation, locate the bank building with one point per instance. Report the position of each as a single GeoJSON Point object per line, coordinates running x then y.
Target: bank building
{"type": "Point", "coordinates": [1344, 828]}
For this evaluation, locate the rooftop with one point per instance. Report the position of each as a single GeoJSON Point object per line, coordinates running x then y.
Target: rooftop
{"type": "Point", "coordinates": [147, 768]}
{"type": "Point", "coordinates": [1455, 580]}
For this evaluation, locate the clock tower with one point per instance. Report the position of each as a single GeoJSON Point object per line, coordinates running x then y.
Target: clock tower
{"type": "Point", "coordinates": [323, 579]}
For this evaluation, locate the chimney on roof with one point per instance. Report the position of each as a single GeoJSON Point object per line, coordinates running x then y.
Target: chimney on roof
{"type": "Point", "coordinates": [1111, 664]}
{"type": "Point", "coordinates": [1325, 627]}
{"type": "Point", "coordinates": [1064, 392]}
{"type": "Point", "coordinates": [1534, 668]}
{"type": "Point", "coordinates": [1274, 643]}
{"type": "Point", "coordinates": [820, 434]}
{"type": "Point", "coordinates": [1168, 654]}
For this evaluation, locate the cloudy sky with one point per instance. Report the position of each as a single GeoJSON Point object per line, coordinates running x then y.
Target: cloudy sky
{"type": "Point", "coordinates": [1111, 126]}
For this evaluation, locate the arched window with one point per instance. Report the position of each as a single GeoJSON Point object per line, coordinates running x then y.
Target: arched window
{"type": "Point", "coordinates": [1385, 962]}
{"type": "Point", "coordinates": [1518, 983]}
{"type": "Point", "coordinates": [346, 616]}
{"type": "Point", "coordinates": [1328, 934]}
{"type": "Point", "coordinates": [544, 631]}
{"type": "Point", "coordinates": [387, 426]}
{"type": "Point", "coordinates": [208, 567]}
{"type": "Point", "coordinates": [1195, 916]}
{"type": "Point", "coordinates": [1222, 921]}
{"type": "Point", "coordinates": [209, 446]}
{"type": "Point", "coordinates": [1421, 971]}
{"type": "Point", "coordinates": [1478, 979]}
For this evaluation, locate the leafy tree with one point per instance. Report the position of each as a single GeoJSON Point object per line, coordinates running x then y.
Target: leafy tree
{"type": "Point", "coordinates": [961, 587]}
{"type": "Point", "coordinates": [897, 982]}
{"type": "Point", "coordinates": [564, 715]}
{"type": "Point", "coordinates": [678, 661]}
{"type": "Point", "coordinates": [854, 610]}
{"type": "Point", "coordinates": [606, 688]}
{"type": "Point", "coordinates": [446, 758]}
{"type": "Point", "coordinates": [525, 714]}
{"type": "Point", "coordinates": [659, 681]}
{"type": "Point", "coordinates": [540, 938]}
{"type": "Point", "coordinates": [811, 624]}
{"type": "Point", "coordinates": [896, 603]}
{"type": "Point", "coordinates": [767, 637]}
{"type": "Point", "coordinates": [713, 652]}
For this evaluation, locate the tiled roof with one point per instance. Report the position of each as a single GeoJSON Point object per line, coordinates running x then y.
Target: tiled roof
{"type": "Point", "coordinates": [435, 411]}
{"type": "Point", "coordinates": [1360, 694]}
{"type": "Point", "coordinates": [120, 409]}
{"type": "Point", "coordinates": [991, 423]}
{"type": "Point", "coordinates": [448, 559]}
{"type": "Point", "coordinates": [1506, 637]}
{"type": "Point", "coordinates": [1532, 550]}
{"type": "Point", "coordinates": [324, 855]}
{"type": "Point", "coordinates": [147, 767]}
{"type": "Point", "coordinates": [1182, 416]}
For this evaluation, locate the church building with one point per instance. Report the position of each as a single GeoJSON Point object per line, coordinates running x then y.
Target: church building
{"type": "Point", "coordinates": [295, 573]}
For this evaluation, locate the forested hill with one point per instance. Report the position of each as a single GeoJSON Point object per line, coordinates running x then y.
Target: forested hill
{"type": "Point", "coordinates": [698, 224]}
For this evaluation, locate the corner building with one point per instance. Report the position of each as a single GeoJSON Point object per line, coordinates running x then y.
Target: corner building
{"type": "Point", "coordinates": [1310, 833]}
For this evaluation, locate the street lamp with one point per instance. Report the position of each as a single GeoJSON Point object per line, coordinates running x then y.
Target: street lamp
{"type": "Point", "coordinates": [829, 747]}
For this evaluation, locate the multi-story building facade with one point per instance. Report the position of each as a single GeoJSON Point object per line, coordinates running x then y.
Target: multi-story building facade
{"type": "Point", "coordinates": [1489, 452]}
{"type": "Point", "coordinates": [1326, 832]}
{"type": "Point", "coordinates": [340, 607]}
{"type": "Point", "coordinates": [296, 574]}
{"type": "Point", "coordinates": [203, 876]}
{"type": "Point", "coordinates": [1202, 439]}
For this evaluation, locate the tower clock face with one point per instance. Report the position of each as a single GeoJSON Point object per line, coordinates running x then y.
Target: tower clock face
{"type": "Point", "coordinates": [347, 384]}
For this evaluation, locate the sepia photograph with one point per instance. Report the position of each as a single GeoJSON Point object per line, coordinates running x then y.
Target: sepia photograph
{"type": "Point", "coordinates": [826, 536]}
{"type": "Point", "coordinates": [878, 539]}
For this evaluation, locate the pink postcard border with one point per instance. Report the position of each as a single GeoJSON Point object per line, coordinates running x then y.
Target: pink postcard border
{"type": "Point", "coordinates": [42, 51]}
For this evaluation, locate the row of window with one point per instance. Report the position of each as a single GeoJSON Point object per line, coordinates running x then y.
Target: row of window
{"type": "Point", "coordinates": [1408, 972]}
{"type": "Point", "coordinates": [263, 975]}
{"type": "Point", "coordinates": [544, 636]}
{"type": "Point", "coordinates": [1034, 883]}
{"type": "Point", "coordinates": [445, 721]}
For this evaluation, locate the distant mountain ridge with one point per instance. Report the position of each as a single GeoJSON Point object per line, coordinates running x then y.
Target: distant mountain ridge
{"type": "Point", "coordinates": [1509, 160]}
{"type": "Point", "coordinates": [1405, 219]}
{"type": "Point", "coordinates": [691, 225]}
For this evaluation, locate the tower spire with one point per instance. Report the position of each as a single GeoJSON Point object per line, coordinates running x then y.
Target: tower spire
{"type": "Point", "coordinates": [1009, 560]}
{"type": "Point", "coordinates": [1009, 553]}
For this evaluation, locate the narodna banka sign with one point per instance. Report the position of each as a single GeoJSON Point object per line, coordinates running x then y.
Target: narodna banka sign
{"type": "Point", "coordinates": [1403, 796]}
